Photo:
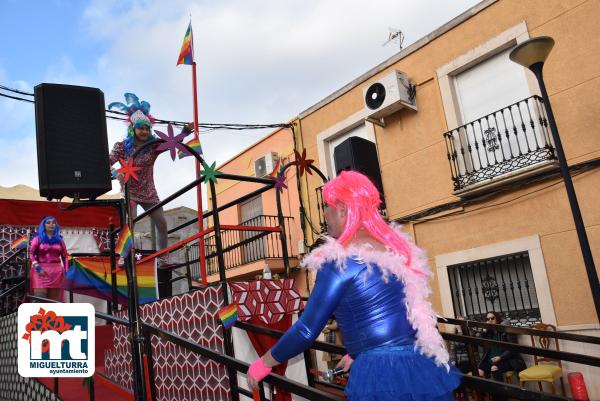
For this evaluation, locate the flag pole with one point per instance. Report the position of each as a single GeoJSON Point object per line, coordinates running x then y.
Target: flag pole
{"type": "Point", "coordinates": [199, 187]}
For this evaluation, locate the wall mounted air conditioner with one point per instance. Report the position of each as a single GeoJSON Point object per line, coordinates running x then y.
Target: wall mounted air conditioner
{"type": "Point", "coordinates": [390, 93]}
{"type": "Point", "coordinates": [263, 166]}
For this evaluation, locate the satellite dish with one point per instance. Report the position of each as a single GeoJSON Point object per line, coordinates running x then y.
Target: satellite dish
{"type": "Point", "coordinates": [375, 96]}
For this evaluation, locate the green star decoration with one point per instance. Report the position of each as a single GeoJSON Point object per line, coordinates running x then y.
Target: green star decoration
{"type": "Point", "coordinates": [210, 173]}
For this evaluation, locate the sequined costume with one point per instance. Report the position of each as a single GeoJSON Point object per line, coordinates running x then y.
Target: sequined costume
{"type": "Point", "coordinates": [53, 260]}
{"type": "Point", "coordinates": [143, 190]}
{"type": "Point", "coordinates": [386, 322]}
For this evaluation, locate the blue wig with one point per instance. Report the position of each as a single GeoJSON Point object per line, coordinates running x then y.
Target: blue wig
{"type": "Point", "coordinates": [139, 115]}
{"type": "Point", "coordinates": [128, 142]}
{"type": "Point", "coordinates": [41, 233]}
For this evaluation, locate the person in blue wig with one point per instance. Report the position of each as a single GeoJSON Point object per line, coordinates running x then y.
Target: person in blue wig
{"type": "Point", "coordinates": [143, 190]}
{"type": "Point", "coordinates": [49, 260]}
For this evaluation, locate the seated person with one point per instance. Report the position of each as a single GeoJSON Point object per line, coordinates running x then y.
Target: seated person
{"type": "Point", "coordinates": [496, 361]}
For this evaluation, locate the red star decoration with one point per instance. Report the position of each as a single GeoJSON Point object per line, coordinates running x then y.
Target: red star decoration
{"type": "Point", "coordinates": [128, 169]}
{"type": "Point", "coordinates": [302, 162]}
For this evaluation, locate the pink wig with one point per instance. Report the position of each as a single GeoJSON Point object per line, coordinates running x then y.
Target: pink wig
{"type": "Point", "coordinates": [362, 199]}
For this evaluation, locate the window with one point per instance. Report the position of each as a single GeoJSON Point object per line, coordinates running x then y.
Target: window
{"type": "Point", "coordinates": [489, 86]}
{"type": "Point", "coordinates": [251, 214]}
{"type": "Point", "coordinates": [502, 284]}
{"type": "Point", "coordinates": [498, 129]}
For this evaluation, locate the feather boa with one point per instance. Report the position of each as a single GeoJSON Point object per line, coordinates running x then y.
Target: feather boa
{"type": "Point", "coordinates": [421, 315]}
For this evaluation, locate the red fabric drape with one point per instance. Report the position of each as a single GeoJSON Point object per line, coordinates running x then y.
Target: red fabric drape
{"type": "Point", "coordinates": [262, 343]}
{"type": "Point", "coordinates": [29, 213]}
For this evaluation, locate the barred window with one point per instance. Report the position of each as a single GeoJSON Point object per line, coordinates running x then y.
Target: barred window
{"type": "Point", "coordinates": [502, 284]}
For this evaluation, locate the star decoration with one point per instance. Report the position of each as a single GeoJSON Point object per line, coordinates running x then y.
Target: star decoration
{"type": "Point", "coordinates": [302, 162]}
{"type": "Point", "coordinates": [280, 182]}
{"type": "Point", "coordinates": [172, 142]}
{"type": "Point", "coordinates": [128, 169]}
{"type": "Point", "coordinates": [138, 256]}
{"type": "Point", "coordinates": [210, 173]}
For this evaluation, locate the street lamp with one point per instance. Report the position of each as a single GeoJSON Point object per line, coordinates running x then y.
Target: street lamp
{"type": "Point", "coordinates": [532, 54]}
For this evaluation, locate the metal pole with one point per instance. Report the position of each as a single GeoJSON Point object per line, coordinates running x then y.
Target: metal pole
{"type": "Point", "coordinates": [228, 341]}
{"type": "Point", "coordinates": [282, 235]}
{"type": "Point", "coordinates": [199, 187]}
{"type": "Point", "coordinates": [135, 332]}
{"type": "Point", "coordinates": [113, 267]}
{"type": "Point", "coordinates": [588, 259]}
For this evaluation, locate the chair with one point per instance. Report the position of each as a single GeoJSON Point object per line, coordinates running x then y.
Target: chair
{"type": "Point", "coordinates": [543, 372]}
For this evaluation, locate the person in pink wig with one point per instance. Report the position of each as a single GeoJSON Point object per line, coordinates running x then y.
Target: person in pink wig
{"type": "Point", "coordinates": [49, 260]}
{"type": "Point", "coordinates": [376, 282]}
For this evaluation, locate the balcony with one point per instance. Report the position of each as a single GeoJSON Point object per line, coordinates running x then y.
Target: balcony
{"type": "Point", "coordinates": [508, 143]}
{"type": "Point", "coordinates": [242, 249]}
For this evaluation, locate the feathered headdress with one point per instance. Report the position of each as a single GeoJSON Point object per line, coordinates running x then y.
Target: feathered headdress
{"type": "Point", "coordinates": [138, 112]}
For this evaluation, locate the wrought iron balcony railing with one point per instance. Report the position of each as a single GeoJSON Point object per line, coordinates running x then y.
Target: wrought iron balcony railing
{"type": "Point", "coordinates": [242, 247]}
{"type": "Point", "coordinates": [502, 142]}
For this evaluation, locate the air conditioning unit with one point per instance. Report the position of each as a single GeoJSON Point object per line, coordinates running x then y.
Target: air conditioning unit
{"type": "Point", "coordinates": [389, 94]}
{"type": "Point", "coordinates": [263, 166]}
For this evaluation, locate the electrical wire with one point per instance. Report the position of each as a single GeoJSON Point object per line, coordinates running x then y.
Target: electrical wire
{"type": "Point", "coordinates": [120, 116]}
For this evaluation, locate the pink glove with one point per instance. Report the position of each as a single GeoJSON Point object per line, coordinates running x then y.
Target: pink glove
{"type": "Point", "coordinates": [258, 370]}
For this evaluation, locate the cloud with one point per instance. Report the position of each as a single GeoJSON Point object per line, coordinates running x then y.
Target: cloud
{"type": "Point", "coordinates": [258, 61]}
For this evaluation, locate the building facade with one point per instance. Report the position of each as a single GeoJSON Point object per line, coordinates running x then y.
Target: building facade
{"type": "Point", "coordinates": [468, 165]}
{"type": "Point", "coordinates": [257, 253]}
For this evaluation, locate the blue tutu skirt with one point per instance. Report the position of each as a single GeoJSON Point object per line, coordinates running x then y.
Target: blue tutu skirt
{"type": "Point", "coordinates": [400, 373]}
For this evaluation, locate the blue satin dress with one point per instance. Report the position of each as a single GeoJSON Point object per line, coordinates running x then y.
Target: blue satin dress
{"type": "Point", "coordinates": [371, 315]}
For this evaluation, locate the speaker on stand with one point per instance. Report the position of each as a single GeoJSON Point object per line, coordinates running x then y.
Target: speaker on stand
{"type": "Point", "coordinates": [72, 143]}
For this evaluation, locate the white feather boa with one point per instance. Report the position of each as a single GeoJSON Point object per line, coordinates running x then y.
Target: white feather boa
{"type": "Point", "coordinates": [421, 315]}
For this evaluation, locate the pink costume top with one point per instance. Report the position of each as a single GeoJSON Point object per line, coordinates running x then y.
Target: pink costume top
{"type": "Point", "coordinates": [49, 253]}
{"type": "Point", "coordinates": [142, 190]}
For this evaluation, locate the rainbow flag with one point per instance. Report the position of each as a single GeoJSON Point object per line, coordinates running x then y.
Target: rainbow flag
{"type": "Point", "coordinates": [91, 276]}
{"type": "Point", "coordinates": [195, 145]}
{"type": "Point", "coordinates": [20, 242]}
{"type": "Point", "coordinates": [186, 55]}
{"type": "Point", "coordinates": [125, 242]}
{"type": "Point", "coordinates": [228, 315]}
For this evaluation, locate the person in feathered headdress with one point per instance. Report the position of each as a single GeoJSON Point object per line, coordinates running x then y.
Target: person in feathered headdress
{"type": "Point", "coordinates": [376, 281]}
{"type": "Point", "coordinates": [142, 191]}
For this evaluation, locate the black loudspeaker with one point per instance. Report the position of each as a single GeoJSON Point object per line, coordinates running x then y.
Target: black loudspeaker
{"type": "Point", "coordinates": [72, 144]}
{"type": "Point", "coordinates": [359, 154]}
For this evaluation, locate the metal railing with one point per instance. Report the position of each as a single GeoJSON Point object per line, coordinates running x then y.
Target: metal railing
{"type": "Point", "coordinates": [502, 142]}
{"type": "Point", "coordinates": [503, 284]}
{"type": "Point", "coordinates": [12, 280]}
{"type": "Point", "coordinates": [242, 247]}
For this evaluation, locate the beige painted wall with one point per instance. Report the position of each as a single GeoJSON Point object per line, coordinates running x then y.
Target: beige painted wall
{"type": "Point", "coordinates": [414, 164]}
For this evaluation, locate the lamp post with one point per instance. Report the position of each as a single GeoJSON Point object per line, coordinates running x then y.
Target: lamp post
{"type": "Point", "coordinates": [531, 54]}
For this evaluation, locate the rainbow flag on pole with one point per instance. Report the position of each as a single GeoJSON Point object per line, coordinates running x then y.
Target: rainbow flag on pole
{"type": "Point", "coordinates": [125, 242]}
{"type": "Point", "coordinates": [20, 242]}
{"type": "Point", "coordinates": [228, 315]}
{"type": "Point", "coordinates": [195, 145]}
{"type": "Point", "coordinates": [186, 55]}
{"type": "Point", "coordinates": [91, 276]}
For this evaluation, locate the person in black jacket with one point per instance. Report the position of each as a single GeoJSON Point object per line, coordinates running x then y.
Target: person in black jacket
{"type": "Point", "coordinates": [496, 361]}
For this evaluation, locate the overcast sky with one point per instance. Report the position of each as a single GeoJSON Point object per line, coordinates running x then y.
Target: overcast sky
{"type": "Point", "coordinates": [258, 62]}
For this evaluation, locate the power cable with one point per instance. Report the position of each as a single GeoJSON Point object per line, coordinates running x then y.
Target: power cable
{"type": "Point", "coordinates": [115, 116]}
